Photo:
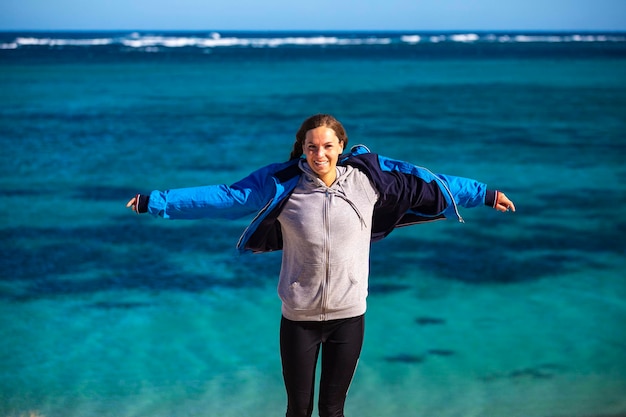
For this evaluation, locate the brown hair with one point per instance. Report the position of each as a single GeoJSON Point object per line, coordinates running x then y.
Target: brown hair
{"type": "Point", "coordinates": [315, 121]}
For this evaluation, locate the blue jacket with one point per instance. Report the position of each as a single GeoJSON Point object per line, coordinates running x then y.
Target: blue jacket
{"type": "Point", "coordinates": [408, 194]}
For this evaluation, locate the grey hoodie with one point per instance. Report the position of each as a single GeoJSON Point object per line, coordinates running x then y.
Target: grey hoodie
{"type": "Point", "coordinates": [326, 235]}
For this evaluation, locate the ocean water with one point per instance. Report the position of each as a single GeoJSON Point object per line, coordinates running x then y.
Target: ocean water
{"type": "Point", "coordinates": [106, 313]}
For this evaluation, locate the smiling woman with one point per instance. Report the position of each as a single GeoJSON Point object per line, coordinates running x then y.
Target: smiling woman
{"type": "Point", "coordinates": [322, 149]}
{"type": "Point", "coordinates": [322, 139]}
{"type": "Point", "coordinates": [323, 211]}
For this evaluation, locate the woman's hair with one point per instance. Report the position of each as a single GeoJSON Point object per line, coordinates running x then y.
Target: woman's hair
{"type": "Point", "coordinates": [315, 121]}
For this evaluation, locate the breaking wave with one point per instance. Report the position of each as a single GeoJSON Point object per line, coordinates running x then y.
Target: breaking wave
{"type": "Point", "coordinates": [154, 42]}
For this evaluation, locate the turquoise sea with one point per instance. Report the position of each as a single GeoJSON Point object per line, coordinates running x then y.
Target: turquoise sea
{"type": "Point", "coordinates": [106, 313]}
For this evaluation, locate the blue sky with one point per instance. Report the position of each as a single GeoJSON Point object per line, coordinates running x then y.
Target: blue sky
{"type": "Point", "coordinates": [313, 15]}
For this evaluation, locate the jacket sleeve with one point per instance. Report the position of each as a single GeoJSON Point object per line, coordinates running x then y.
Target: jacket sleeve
{"type": "Point", "coordinates": [431, 195]}
{"type": "Point", "coordinates": [242, 198]}
{"type": "Point", "coordinates": [467, 192]}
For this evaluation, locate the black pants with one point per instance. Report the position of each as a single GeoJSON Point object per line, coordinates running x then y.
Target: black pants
{"type": "Point", "coordinates": [300, 342]}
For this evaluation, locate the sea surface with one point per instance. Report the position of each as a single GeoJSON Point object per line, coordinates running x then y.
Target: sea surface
{"type": "Point", "coordinates": [106, 313]}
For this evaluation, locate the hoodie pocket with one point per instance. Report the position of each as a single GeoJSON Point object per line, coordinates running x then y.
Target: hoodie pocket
{"type": "Point", "coordinates": [305, 291]}
{"type": "Point", "coordinates": [343, 286]}
{"type": "Point", "coordinates": [311, 289]}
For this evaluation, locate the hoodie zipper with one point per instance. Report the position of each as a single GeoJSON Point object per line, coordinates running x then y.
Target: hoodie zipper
{"type": "Point", "coordinates": [326, 282]}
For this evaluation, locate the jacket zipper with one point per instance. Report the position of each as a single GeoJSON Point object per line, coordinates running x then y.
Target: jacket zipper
{"type": "Point", "coordinates": [445, 186]}
{"type": "Point", "coordinates": [259, 214]}
{"type": "Point", "coordinates": [456, 208]}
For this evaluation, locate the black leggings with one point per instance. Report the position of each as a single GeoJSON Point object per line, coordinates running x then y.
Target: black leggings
{"type": "Point", "coordinates": [300, 341]}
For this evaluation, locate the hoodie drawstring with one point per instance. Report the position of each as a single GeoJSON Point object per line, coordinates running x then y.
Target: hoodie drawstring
{"type": "Point", "coordinates": [331, 191]}
{"type": "Point", "coordinates": [341, 194]}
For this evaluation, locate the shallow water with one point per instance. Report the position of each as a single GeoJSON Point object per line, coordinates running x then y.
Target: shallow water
{"type": "Point", "coordinates": [105, 313]}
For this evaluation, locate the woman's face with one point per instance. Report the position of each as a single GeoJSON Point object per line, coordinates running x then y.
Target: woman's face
{"type": "Point", "coordinates": [322, 149]}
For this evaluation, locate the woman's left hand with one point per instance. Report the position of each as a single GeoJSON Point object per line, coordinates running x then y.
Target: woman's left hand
{"type": "Point", "coordinates": [503, 203]}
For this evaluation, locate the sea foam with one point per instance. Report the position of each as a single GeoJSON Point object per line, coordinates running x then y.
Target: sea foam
{"type": "Point", "coordinates": [148, 42]}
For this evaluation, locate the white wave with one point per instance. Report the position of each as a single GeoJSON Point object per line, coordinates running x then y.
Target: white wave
{"type": "Point", "coordinates": [554, 38]}
{"type": "Point", "coordinates": [300, 41]}
{"type": "Point", "coordinates": [437, 38]}
{"type": "Point", "coordinates": [498, 38]}
{"type": "Point", "coordinates": [62, 42]}
{"type": "Point", "coordinates": [411, 38]}
{"type": "Point", "coordinates": [366, 41]}
{"type": "Point", "coordinates": [156, 42]}
{"type": "Point", "coordinates": [216, 41]}
{"type": "Point", "coordinates": [588, 38]}
{"type": "Point", "coordinates": [537, 38]}
{"type": "Point", "coordinates": [598, 38]}
{"type": "Point", "coordinates": [153, 41]}
{"type": "Point", "coordinates": [465, 37]}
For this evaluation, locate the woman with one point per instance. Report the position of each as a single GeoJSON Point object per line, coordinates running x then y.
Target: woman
{"type": "Point", "coordinates": [323, 211]}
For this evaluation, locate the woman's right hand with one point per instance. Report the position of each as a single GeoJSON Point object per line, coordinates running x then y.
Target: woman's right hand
{"type": "Point", "coordinates": [503, 203]}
